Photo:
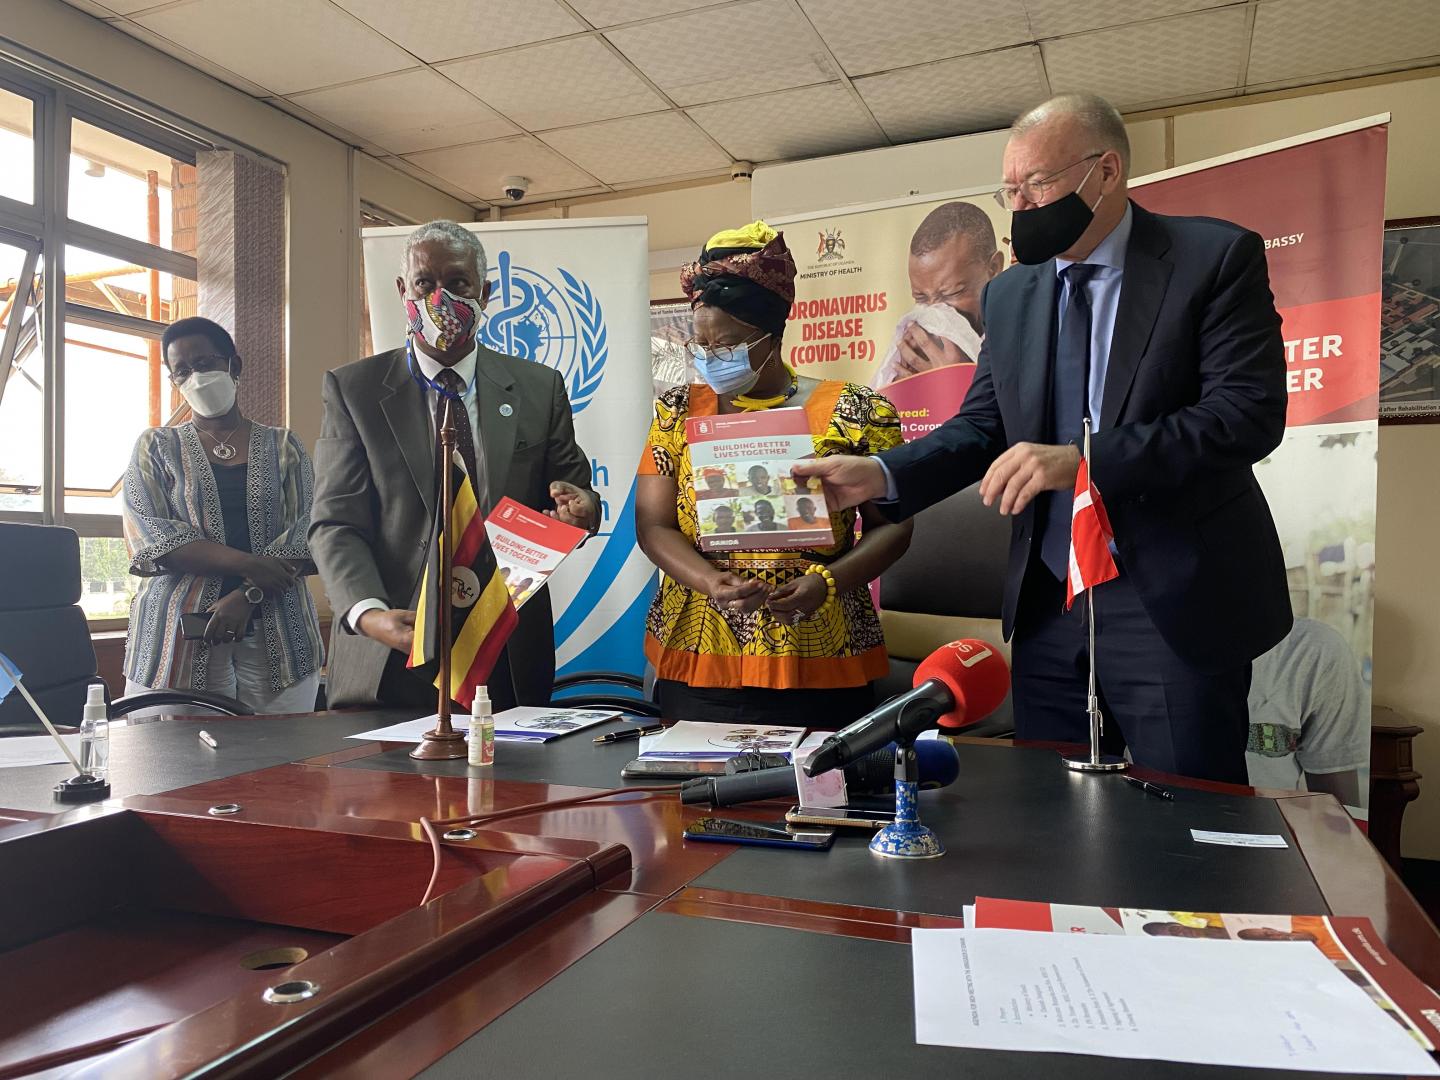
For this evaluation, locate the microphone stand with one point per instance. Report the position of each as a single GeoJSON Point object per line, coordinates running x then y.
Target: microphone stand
{"type": "Point", "coordinates": [444, 743]}
{"type": "Point", "coordinates": [907, 838]}
{"type": "Point", "coordinates": [1095, 761]}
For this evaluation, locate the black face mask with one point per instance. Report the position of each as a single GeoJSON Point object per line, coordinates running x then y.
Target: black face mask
{"type": "Point", "coordinates": [1042, 233]}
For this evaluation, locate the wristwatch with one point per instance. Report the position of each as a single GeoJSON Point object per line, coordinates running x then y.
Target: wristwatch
{"type": "Point", "coordinates": [254, 594]}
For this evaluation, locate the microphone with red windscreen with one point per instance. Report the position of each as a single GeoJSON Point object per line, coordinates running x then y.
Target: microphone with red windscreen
{"type": "Point", "coordinates": [957, 685]}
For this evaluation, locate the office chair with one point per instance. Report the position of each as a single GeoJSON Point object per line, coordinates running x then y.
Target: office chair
{"type": "Point", "coordinates": [44, 633]}
{"type": "Point", "coordinates": [571, 692]}
{"type": "Point", "coordinates": [949, 585]}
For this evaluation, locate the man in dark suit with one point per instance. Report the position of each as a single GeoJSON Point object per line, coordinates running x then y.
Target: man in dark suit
{"type": "Point", "coordinates": [375, 488]}
{"type": "Point", "coordinates": [1164, 332]}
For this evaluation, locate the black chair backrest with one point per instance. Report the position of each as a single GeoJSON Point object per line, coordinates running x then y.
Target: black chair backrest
{"type": "Point", "coordinates": [956, 562]}
{"type": "Point", "coordinates": [42, 628]}
{"type": "Point", "coordinates": [955, 569]}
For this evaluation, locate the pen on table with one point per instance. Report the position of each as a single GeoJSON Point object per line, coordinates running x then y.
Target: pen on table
{"type": "Point", "coordinates": [209, 740]}
{"type": "Point", "coordinates": [630, 733]}
{"type": "Point", "coordinates": [1149, 788]}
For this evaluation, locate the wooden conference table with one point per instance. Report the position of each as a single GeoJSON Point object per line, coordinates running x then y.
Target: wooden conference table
{"type": "Point", "coordinates": [590, 940]}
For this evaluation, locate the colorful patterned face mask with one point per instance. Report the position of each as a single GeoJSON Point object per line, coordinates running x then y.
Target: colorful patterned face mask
{"type": "Point", "coordinates": [442, 319]}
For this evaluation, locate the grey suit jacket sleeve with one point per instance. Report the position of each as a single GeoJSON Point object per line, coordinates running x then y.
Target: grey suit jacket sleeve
{"type": "Point", "coordinates": [563, 455]}
{"type": "Point", "coordinates": [342, 525]}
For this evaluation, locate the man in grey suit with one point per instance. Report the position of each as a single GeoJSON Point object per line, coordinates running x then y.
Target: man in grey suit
{"type": "Point", "coordinates": [375, 477]}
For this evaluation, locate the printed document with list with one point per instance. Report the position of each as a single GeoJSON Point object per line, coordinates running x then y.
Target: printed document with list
{"type": "Point", "coordinates": [1278, 1004]}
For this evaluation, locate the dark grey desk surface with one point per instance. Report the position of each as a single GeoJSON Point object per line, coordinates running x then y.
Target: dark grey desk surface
{"type": "Point", "coordinates": [1016, 824]}
{"type": "Point", "coordinates": [763, 1002]}
{"type": "Point", "coordinates": [163, 755]}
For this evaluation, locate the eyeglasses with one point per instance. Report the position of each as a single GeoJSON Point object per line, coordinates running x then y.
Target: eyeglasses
{"type": "Point", "coordinates": [1034, 190]}
{"type": "Point", "coordinates": [180, 372]}
{"type": "Point", "coordinates": [719, 352]}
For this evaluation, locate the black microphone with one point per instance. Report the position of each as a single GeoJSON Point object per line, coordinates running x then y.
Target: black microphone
{"type": "Point", "coordinates": [901, 718]}
{"type": "Point", "coordinates": [872, 774]}
{"type": "Point", "coordinates": [958, 684]}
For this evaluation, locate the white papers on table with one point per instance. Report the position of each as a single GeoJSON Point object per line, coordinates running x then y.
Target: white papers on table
{"type": "Point", "coordinates": [36, 750]}
{"type": "Point", "coordinates": [526, 723]}
{"type": "Point", "coordinates": [1278, 1004]}
{"type": "Point", "coordinates": [691, 740]}
{"type": "Point", "coordinates": [412, 730]}
{"type": "Point", "coordinates": [1238, 839]}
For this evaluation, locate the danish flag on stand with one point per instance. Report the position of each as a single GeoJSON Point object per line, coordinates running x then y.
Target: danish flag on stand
{"type": "Point", "coordinates": [1091, 563]}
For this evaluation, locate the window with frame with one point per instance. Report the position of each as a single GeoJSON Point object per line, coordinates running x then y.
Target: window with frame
{"type": "Point", "coordinates": [98, 231]}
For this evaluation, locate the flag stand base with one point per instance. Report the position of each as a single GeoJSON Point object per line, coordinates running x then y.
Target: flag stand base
{"type": "Point", "coordinates": [1099, 763]}
{"type": "Point", "coordinates": [440, 746]}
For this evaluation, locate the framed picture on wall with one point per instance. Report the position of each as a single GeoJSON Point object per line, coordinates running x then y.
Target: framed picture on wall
{"type": "Point", "coordinates": [670, 327]}
{"type": "Point", "coordinates": [1410, 322]}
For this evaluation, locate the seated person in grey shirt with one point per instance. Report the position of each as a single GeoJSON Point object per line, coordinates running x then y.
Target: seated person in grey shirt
{"type": "Point", "coordinates": [1310, 716]}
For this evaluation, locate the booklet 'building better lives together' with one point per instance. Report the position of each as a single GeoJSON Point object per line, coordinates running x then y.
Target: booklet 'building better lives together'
{"type": "Point", "coordinates": [745, 497]}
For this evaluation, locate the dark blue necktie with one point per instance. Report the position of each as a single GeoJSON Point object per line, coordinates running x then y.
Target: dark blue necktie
{"type": "Point", "coordinates": [1069, 399]}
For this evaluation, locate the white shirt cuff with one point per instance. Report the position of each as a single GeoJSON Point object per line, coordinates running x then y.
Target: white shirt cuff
{"type": "Point", "coordinates": [891, 491]}
{"type": "Point", "coordinates": [352, 617]}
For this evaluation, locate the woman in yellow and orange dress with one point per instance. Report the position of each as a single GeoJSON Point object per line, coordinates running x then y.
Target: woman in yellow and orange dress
{"type": "Point", "coordinates": [772, 637]}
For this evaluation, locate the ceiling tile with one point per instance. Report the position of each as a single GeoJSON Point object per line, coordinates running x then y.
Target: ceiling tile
{"type": "Point", "coordinates": [868, 37]}
{"type": "Point", "coordinates": [574, 81]}
{"type": "Point", "coordinates": [259, 40]}
{"type": "Point", "coordinates": [442, 29]}
{"type": "Point", "coordinates": [614, 12]}
{"type": "Point", "coordinates": [639, 148]}
{"type": "Point", "coordinates": [90, 7]}
{"type": "Point", "coordinates": [1153, 61]}
{"type": "Point", "coordinates": [199, 63]}
{"type": "Point", "coordinates": [123, 7]}
{"type": "Point", "coordinates": [955, 97]}
{"type": "Point", "coordinates": [810, 122]}
{"type": "Point", "coordinates": [479, 169]}
{"type": "Point", "coordinates": [411, 104]}
{"type": "Point", "coordinates": [426, 177]}
{"type": "Point", "coordinates": [778, 47]}
{"type": "Point", "coordinates": [1054, 18]}
{"type": "Point", "coordinates": [442, 134]}
{"type": "Point", "coordinates": [1311, 37]}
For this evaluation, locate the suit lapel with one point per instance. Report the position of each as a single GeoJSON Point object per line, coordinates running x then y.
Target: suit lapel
{"type": "Point", "coordinates": [497, 410]}
{"type": "Point", "coordinates": [404, 408]}
{"type": "Point", "coordinates": [1142, 290]}
{"type": "Point", "coordinates": [1037, 313]}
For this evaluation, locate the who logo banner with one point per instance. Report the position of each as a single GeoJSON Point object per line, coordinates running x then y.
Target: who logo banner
{"type": "Point", "coordinates": [574, 296]}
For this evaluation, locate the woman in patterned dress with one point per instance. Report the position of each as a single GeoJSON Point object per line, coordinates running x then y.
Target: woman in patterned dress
{"type": "Point", "coordinates": [216, 515]}
{"type": "Point", "coordinates": [756, 636]}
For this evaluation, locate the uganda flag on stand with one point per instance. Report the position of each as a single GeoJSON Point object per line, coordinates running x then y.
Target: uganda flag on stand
{"type": "Point", "coordinates": [482, 615]}
{"type": "Point", "coordinates": [1091, 563]}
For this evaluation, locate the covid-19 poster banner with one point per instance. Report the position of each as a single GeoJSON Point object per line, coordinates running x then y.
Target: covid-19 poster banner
{"type": "Point", "coordinates": [889, 295]}
{"type": "Point", "coordinates": [572, 295]}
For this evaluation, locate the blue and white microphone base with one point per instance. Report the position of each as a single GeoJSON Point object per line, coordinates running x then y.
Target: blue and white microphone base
{"type": "Point", "coordinates": [906, 838]}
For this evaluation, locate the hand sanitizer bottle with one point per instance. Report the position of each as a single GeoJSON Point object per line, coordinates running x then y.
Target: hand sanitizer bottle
{"type": "Point", "coordinates": [95, 734]}
{"type": "Point", "coordinates": [481, 746]}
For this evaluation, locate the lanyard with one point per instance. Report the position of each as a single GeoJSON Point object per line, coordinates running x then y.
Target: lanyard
{"type": "Point", "coordinates": [431, 384]}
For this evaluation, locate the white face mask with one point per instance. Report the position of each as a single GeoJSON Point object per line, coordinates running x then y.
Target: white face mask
{"type": "Point", "coordinates": [209, 393]}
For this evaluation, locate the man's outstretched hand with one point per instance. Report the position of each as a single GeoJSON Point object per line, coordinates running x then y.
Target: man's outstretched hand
{"type": "Point", "coordinates": [849, 481]}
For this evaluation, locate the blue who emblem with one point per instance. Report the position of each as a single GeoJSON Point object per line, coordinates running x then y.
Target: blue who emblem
{"type": "Point", "coordinates": [561, 327]}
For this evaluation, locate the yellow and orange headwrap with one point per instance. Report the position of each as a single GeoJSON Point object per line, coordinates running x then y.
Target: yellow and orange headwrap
{"type": "Point", "coordinates": [747, 272]}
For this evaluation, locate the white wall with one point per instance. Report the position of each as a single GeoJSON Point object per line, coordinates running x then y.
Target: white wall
{"type": "Point", "coordinates": [323, 186]}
